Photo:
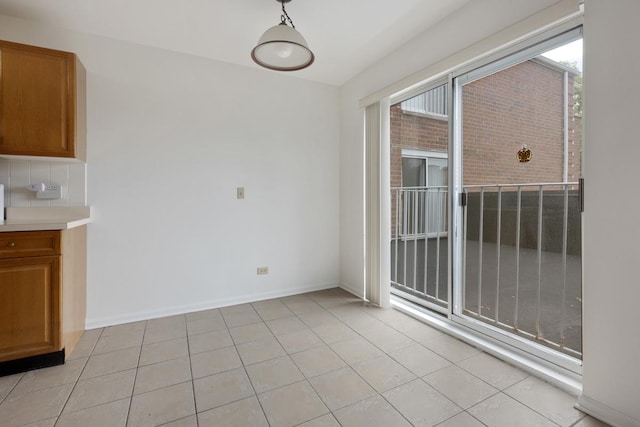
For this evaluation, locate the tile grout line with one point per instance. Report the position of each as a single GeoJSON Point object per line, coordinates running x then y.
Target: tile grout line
{"type": "Point", "coordinates": [13, 388]}
{"type": "Point", "coordinates": [193, 386]}
{"type": "Point", "coordinates": [527, 406]}
{"type": "Point", "coordinates": [255, 394]}
{"type": "Point", "coordinates": [244, 367]}
{"type": "Point", "coordinates": [378, 393]}
{"type": "Point", "coordinates": [577, 421]}
{"type": "Point", "coordinates": [463, 412]}
{"type": "Point", "coordinates": [348, 365]}
{"type": "Point", "coordinates": [75, 384]}
{"type": "Point", "coordinates": [343, 322]}
{"type": "Point", "coordinates": [229, 370]}
{"type": "Point", "coordinates": [457, 364]}
{"type": "Point", "coordinates": [325, 305]}
{"type": "Point", "coordinates": [135, 378]}
{"type": "Point", "coordinates": [428, 348]}
{"type": "Point", "coordinates": [307, 379]}
{"type": "Point", "coordinates": [421, 378]}
{"type": "Point", "coordinates": [429, 385]}
{"type": "Point", "coordinates": [452, 363]}
{"type": "Point", "coordinates": [417, 377]}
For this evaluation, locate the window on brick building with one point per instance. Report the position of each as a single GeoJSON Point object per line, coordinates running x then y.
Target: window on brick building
{"type": "Point", "coordinates": [427, 171]}
{"type": "Point", "coordinates": [432, 103]}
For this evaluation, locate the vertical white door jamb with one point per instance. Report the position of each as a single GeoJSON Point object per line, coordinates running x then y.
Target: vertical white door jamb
{"type": "Point", "coordinates": [385, 203]}
{"type": "Point", "coordinates": [377, 204]}
{"type": "Point", "coordinates": [456, 231]}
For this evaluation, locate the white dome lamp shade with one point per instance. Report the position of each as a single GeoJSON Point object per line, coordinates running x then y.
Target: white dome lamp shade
{"type": "Point", "coordinates": [282, 47]}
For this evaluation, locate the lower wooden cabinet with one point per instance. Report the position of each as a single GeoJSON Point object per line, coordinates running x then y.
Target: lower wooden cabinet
{"type": "Point", "coordinates": [29, 306]}
{"type": "Point", "coordinates": [42, 292]}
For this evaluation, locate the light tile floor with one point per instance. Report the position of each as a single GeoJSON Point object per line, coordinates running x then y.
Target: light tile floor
{"type": "Point", "coordinates": [317, 359]}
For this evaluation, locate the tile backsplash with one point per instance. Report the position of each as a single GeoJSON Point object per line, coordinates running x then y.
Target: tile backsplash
{"type": "Point", "coordinates": [17, 174]}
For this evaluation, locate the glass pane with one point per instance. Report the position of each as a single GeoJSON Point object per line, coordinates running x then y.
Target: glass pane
{"type": "Point", "coordinates": [521, 151]}
{"type": "Point", "coordinates": [413, 172]}
{"type": "Point", "coordinates": [436, 195]}
{"type": "Point", "coordinates": [437, 172]}
{"type": "Point", "coordinates": [419, 246]}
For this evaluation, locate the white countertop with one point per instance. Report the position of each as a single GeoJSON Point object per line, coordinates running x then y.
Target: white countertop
{"type": "Point", "coordinates": [46, 218]}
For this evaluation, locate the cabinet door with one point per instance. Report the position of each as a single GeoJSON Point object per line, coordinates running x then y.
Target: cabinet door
{"type": "Point", "coordinates": [29, 307]}
{"type": "Point", "coordinates": [37, 101]}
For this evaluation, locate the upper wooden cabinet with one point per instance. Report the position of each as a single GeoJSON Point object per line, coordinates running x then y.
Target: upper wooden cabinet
{"type": "Point", "coordinates": [42, 102]}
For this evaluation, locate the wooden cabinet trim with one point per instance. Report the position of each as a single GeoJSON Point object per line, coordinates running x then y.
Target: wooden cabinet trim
{"type": "Point", "coordinates": [22, 244]}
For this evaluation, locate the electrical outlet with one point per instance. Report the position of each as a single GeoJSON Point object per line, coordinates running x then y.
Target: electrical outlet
{"type": "Point", "coordinates": [240, 193]}
{"type": "Point", "coordinates": [263, 270]}
{"type": "Point", "coordinates": [51, 191]}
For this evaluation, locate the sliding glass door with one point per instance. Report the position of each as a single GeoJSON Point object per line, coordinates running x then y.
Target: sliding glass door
{"type": "Point", "coordinates": [520, 150]}
{"type": "Point", "coordinates": [419, 198]}
{"type": "Point", "coordinates": [507, 182]}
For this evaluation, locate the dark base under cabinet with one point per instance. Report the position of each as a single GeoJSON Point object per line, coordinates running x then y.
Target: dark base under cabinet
{"type": "Point", "coordinates": [11, 367]}
{"type": "Point", "coordinates": [42, 297]}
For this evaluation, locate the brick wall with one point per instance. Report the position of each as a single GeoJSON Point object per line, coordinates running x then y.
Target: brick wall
{"type": "Point", "coordinates": [523, 104]}
{"type": "Point", "coordinates": [416, 132]}
{"type": "Point", "coordinates": [412, 131]}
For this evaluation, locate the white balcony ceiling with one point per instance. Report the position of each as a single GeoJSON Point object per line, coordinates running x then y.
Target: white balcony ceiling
{"type": "Point", "coordinates": [346, 35]}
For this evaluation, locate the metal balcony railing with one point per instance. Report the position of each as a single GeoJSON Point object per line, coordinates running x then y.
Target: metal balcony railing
{"type": "Point", "coordinates": [419, 243]}
{"type": "Point", "coordinates": [521, 257]}
{"type": "Point", "coordinates": [522, 263]}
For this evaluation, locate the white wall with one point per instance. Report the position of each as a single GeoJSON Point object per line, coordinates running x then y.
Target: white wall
{"type": "Point", "coordinates": [170, 137]}
{"type": "Point", "coordinates": [611, 230]}
{"type": "Point", "coordinates": [468, 25]}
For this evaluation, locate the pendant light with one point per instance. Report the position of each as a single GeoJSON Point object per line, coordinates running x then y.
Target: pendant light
{"type": "Point", "coordinates": [282, 47]}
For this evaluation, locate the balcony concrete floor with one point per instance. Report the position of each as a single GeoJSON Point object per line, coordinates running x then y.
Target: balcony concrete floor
{"type": "Point", "coordinates": [539, 298]}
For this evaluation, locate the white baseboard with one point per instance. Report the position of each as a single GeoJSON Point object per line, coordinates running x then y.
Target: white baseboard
{"type": "Point", "coordinates": [204, 305]}
{"type": "Point", "coordinates": [358, 292]}
{"type": "Point", "coordinates": [605, 413]}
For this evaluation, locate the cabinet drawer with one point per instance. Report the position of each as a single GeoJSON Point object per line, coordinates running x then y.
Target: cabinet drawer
{"type": "Point", "coordinates": [29, 243]}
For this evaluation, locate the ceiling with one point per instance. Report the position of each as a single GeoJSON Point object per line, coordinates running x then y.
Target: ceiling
{"type": "Point", "coordinates": [346, 36]}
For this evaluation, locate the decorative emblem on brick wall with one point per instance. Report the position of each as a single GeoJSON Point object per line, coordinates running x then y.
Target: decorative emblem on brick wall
{"type": "Point", "coordinates": [524, 155]}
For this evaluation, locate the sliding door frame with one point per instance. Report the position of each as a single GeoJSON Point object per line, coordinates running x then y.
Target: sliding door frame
{"type": "Point", "coordinates": [545, 25]}
{"type": "Point", "coordinates": [561, 369]}
{"type": "Point", "coordinates": [446, 311]}
{"type": "Point", "coordinates": [458, 80]}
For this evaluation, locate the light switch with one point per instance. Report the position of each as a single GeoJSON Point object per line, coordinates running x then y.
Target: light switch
{"type": "Point", "coordinates": [240, 193]}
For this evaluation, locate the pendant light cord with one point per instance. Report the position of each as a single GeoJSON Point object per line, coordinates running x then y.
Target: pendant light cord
{"type": "Point", "coordinates": [285, 14]}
